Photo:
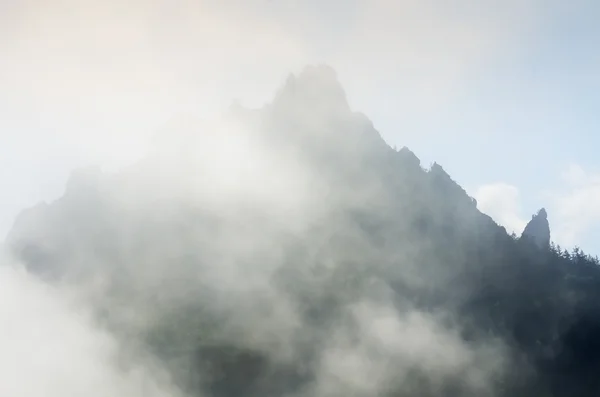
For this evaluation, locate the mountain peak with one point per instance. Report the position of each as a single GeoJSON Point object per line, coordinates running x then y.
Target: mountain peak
{"type": "Point", "coordinates": [315, 88]}
{"type": "Point", "coordinates": [311, 110]}
{"type": "Point", "coordinates": [538, 229]}
{"type": "Point", "coordinates": [542, 214]}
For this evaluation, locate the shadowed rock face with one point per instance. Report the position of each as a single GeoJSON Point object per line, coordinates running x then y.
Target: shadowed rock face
{"type": "Point", "coordinates": [538, 229]}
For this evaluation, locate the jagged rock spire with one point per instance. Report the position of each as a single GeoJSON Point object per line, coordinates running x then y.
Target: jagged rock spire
{"type": "Point", "coordinates": [312, 110]}
{"type": "Point", "coordinates": [316, 88]}
{"type": "Point", "coordinates": [538, 229]}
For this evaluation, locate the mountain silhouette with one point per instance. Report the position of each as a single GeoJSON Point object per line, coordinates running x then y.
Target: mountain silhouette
{"type": "Point", "coordinates": [291, 251]}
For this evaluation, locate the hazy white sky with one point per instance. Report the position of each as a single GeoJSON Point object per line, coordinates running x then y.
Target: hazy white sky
{"type": "Point", "coordinates": [502, 94]}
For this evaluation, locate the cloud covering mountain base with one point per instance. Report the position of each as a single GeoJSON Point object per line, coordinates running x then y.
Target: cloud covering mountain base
{"type": "Point", "coordinates": [281, 251]}
{"type": "Point", "coordinates": [52, 346]}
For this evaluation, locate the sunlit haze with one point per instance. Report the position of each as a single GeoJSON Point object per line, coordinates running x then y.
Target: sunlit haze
{"type": "Point", "coordinates": [227, 198]}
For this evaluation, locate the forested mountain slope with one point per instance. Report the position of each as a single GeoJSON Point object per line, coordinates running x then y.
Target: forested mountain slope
{"type": "Point", "coordinates": [289, 250]}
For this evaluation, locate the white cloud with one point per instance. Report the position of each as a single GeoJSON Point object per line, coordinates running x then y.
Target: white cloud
{"type": "Point", "coordinates": [577, 205]}
{"type": "Point", "coordinates": [52, 348]}
{"type": "Point", "coordinates": [573, 207]}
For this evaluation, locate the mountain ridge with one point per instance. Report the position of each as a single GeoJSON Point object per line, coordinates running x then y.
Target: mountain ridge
{"type": "Point", "coordinates": [292, 238]}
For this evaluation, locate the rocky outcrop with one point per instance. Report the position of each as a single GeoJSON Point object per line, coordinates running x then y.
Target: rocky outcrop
{"type": "Point", "coordinates": [538, 229]}
{"type": "Point", "coordinates": [313, 111]}
{"type": "Point", "coordinates": [409, 158]}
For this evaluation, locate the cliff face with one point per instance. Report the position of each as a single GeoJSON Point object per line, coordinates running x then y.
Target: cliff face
{"type": "Point", "coordinates": [538, 229]}
{"type": "Point", "coordinates": [294, 242]}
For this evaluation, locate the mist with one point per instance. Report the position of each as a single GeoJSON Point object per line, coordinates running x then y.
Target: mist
{"type": "Point", "coordinates": [243, 231]}
{"type": "Point", "coordinates": [53, 346]}
{"type": "Point", "coordinates": [272, 246]}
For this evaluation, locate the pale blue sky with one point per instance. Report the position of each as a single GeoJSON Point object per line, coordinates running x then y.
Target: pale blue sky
{"type": "Point", "coordinates": [504, 95]}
